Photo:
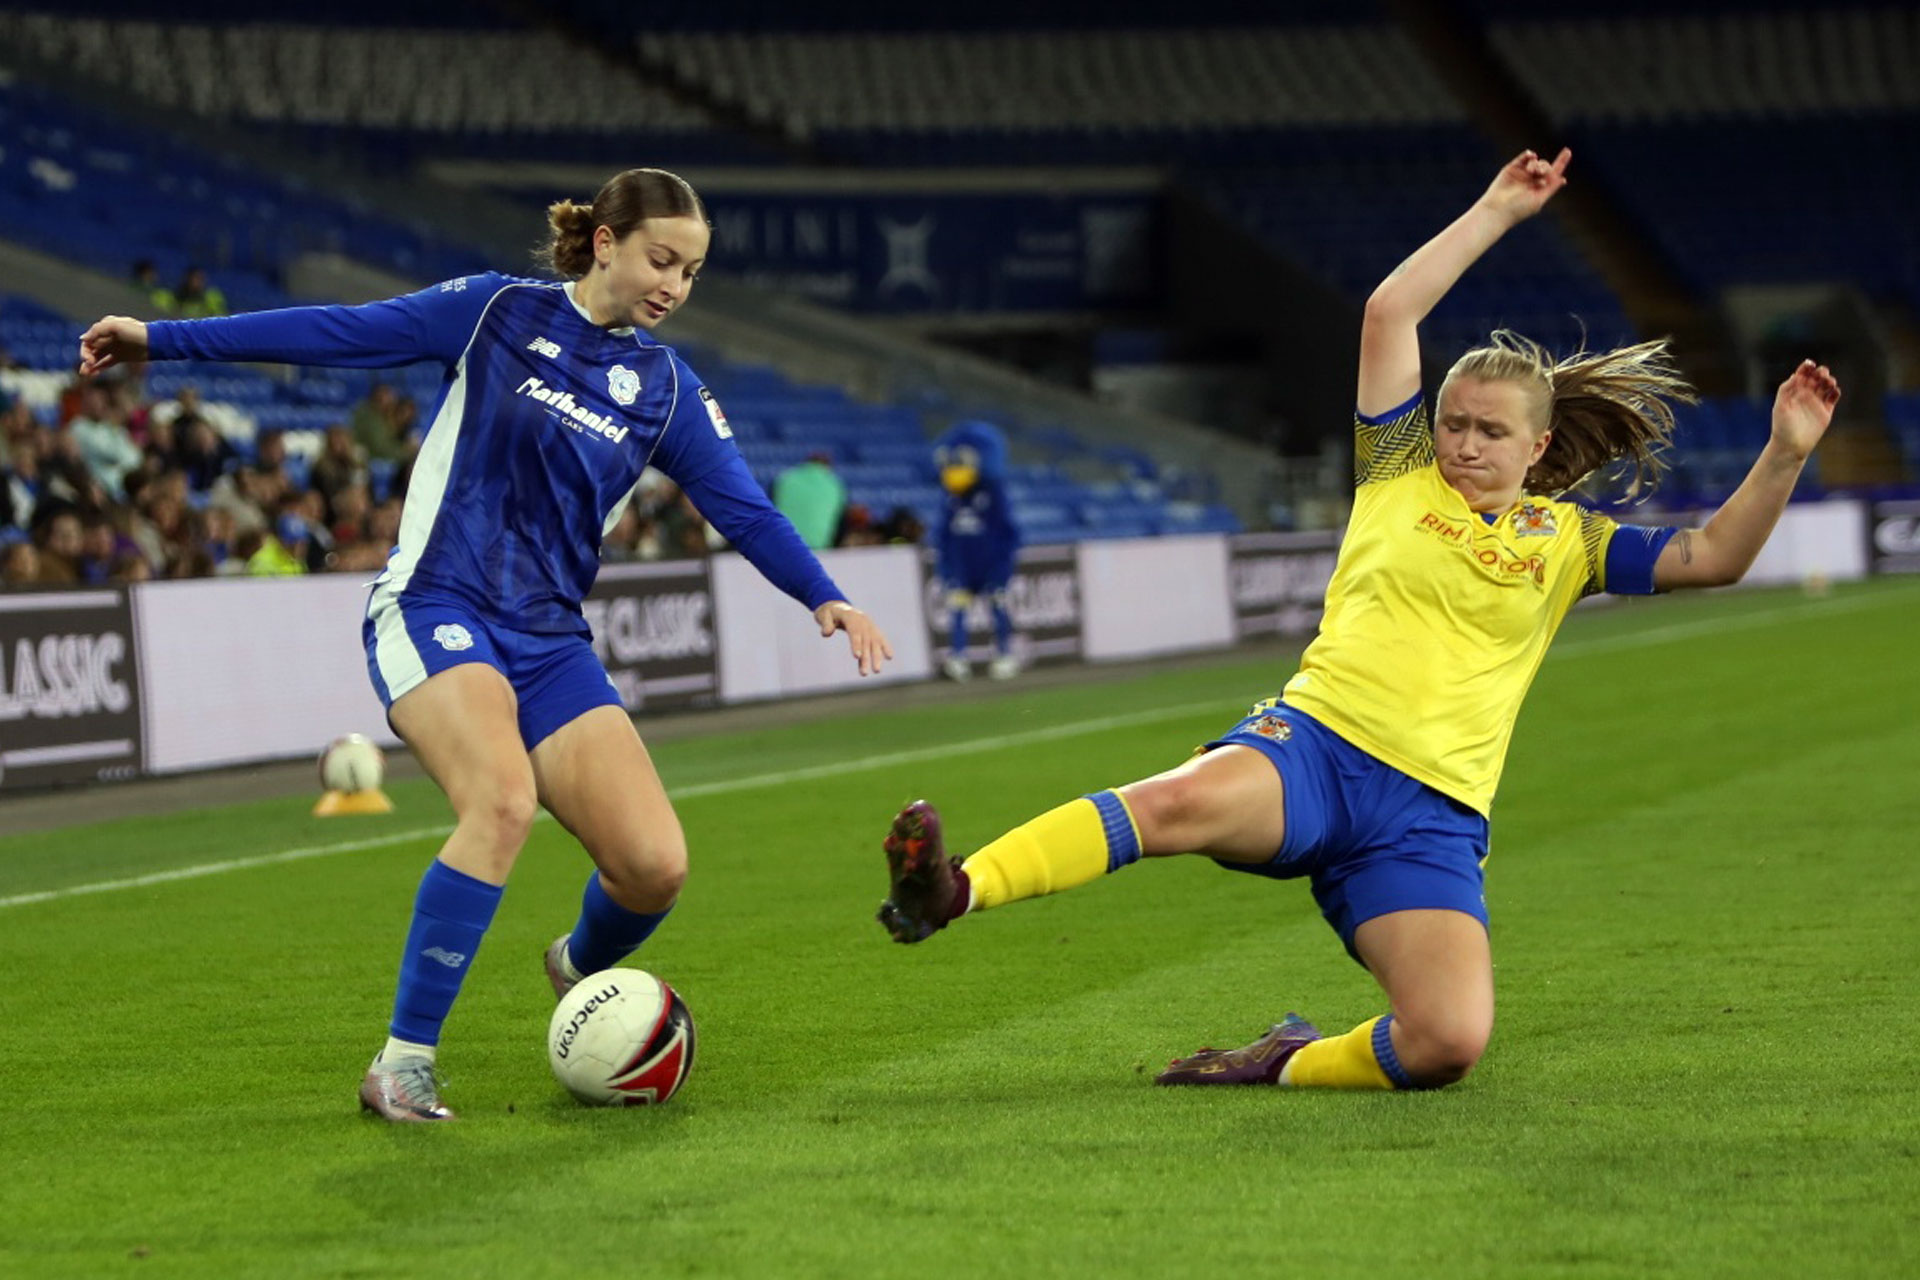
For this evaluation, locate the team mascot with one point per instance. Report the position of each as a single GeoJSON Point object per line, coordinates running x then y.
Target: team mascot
{"type": "Point", "coordinates": [977, 541]}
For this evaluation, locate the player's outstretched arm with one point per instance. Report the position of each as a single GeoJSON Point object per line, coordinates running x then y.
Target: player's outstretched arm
{"type": "Point", "coordinates": [1723, 551]}
{"type": "Point", "coordinates": [869, 643]}
{"type": "Point", "coordinates": [1389, 333]}
{"type": "Point", "coordinates": [110, 341]}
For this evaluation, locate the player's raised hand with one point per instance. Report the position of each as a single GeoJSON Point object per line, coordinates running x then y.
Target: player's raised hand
{"type": "Point", "coordinates": [869, 643]}
{"type": "Point", "coordinates": [1526, 184]}
{"type": "Point", "coordinates": [1803, 407]}
{"type": "Point", "coordinates": [111, 341]}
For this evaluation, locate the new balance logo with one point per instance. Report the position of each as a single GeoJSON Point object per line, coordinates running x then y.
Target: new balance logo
{"type": "Point", "coordinates": [541, 346]}
{"type": "Point", "coordinates": [563, 403]}
{"type": "Point", "coordinates": [451, 959]}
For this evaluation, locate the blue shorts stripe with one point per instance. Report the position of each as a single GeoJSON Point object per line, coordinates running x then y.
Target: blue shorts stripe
{"type": "Point", "coordinates": [1123, 843]}
{"type": "Point", "coordinates": [1389, 1060]}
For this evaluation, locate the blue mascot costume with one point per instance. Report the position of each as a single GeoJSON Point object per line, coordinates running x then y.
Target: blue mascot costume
{"type": "Point", "coordinates": [977, 540]}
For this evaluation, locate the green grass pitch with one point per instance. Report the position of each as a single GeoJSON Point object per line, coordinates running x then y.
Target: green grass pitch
{"type": "Point", "coordinates": [1703, 885]}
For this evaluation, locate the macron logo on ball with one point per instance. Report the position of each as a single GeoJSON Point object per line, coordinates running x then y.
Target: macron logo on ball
{"type": "Point", "coordinates": [581, 417]}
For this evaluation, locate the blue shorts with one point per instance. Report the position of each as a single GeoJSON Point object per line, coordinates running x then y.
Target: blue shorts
{"type": "Point", "coordinates": [1372, 839]}
{"type": "Point", "coordinates": [556, 678]}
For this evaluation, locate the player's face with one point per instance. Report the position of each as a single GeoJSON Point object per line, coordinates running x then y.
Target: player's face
{"type": "Point", "coordinates": [1485, 440]}
{"type": "Point", "coordinates": [652, 269]}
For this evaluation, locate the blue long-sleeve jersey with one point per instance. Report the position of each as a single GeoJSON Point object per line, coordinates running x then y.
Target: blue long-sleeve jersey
{"type": "Point", "coordinates": [540, 432]}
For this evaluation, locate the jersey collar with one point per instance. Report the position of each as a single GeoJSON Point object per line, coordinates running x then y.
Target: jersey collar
{"type": "Point", "coordinates": [627, 332]}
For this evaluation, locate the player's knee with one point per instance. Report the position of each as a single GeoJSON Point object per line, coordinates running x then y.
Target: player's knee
{"type": "Point", "coordinates": [502, 814]}
{"type": "Point", "coordinates": [1436, 1052]}
{"type": "Point", "coordinates": [1171, 811]}
{"type": "Point", "coordinates": [647, 878]}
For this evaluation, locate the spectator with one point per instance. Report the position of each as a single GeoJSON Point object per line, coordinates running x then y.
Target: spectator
{"type": "Point", "coordinates": [857, 527]}
{"type": "Point", "coordinates": [99, 548]}
{"type": "Point", "coordinates": [146, 278]}
{"type": "Point", "coordinates": [59, 540]}
{"type": "Point", "coordinates": [131, 566]}
{"type": "Point", "coordinates": [376, 425]}
{"type": "Point", "coordinates": [812, 495]}
{"type": "Point", "coordinates": [194, 297]}
{"type": "Point", "coordinates": [100, 430]}
{"type": "Point", "coordinates": [339, 465]}
{"type": "Point", "coordinates": [346, 513]}
{"type": "Point", "coordinates": [266, 556]}
{"type": "Point", "coordinates": [20, 565]}
{"type": "Point", "coordinates": [202, 453]}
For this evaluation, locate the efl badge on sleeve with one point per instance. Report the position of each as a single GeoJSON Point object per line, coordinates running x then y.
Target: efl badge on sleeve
{"type": "Point", "coordinates": [720, 427]}
{"type": "Point", "coordinates": [1534, 521]}
{"type": "Point", "coordinates": [623, 384]}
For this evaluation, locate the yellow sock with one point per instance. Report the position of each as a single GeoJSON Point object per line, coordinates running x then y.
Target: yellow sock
{"type": "Point", "coordinates": [1361, 1059]}
{"type": "Point", "coordinates": [1080, 841]}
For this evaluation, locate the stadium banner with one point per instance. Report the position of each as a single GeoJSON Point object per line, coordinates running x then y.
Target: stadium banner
{"type": "Point", "coordinates": [653, 630]}
{"type": "Point", "coordinates": [770, 647]}
{"type": "Point", "coordinates": [1893, 532]}
{"type": "Point", "coordinates": [1044, 599]}
{"type": "Point", "coordinates": [243, 669]}
{"type": "Point", "coordinates": [1148, 596]}
{"type": "Point", "coordinates": [1280, 581]}
{"type": "Point", "coordinates": [942, 251]}
{"type": "Point", "coordinates": [1815, 543]}
{"type": "Point", "coordinates": [69, 688]}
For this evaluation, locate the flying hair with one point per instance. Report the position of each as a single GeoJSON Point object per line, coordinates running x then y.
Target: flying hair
{"type": "Point", "coordinates": [1604, 408]}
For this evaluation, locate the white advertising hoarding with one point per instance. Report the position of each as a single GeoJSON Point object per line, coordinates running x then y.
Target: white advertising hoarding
{"type": "Point", "coordinates": [239, 669]}
{"type": "Point", "coordinates": [770, 647]}
{"type": "Point", "coordinates": [1146, 596]}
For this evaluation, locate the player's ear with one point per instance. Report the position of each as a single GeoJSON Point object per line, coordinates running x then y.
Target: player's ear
{"type": "Point", "coordinates": [1540, 446]}
{"type": "Point", "coordinates": [603, 242]}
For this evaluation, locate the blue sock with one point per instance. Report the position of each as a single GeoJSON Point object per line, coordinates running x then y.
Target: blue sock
{"type": "Point", "coordinates": [957, 634]}
{"type": "Point", "coordinates": [607, 932]}
{"type": "Point", "coordinates": [1002, 627]}
{"type": "Point", "coordinates": [450, 916]}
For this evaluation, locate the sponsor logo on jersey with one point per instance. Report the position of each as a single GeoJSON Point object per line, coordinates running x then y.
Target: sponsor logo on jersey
{"type": "Point", "coordinates": [454, 286]}
{"type": "Point", "coordinates": [452, 637]}
{"type": "Point", "coordinates": [719, 419]}
{"type": "Point", "coordinates": [1534, 521]}
{"type": "Point", "coordinates": [546, 347]}
{"type": "Point", "coordinates": [623, 384]}
{"type": "Point", "coordinates": [583, 418]}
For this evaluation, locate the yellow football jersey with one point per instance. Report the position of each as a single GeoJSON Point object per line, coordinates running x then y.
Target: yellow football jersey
{"type": "Point", "coordinates": [1436, 620]}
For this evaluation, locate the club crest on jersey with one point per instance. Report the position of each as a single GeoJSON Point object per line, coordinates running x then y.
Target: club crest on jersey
{"type": "Point", "coordinates": [721, 427]}
{"type": "Point", "coordinates": [452, 636]}
{"type": "Point", "coordinates": [1272, 727]}
{"type": "Point", "coordinates": [623, 384]}
{"type": "Point", "coordinates": [1534, 521]}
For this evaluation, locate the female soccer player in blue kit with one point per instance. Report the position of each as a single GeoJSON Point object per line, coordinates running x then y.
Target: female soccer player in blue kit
{"type": "Point", "coordinates": [1374, 771]}
{"type": "Point", "coordinates": [556, 398]}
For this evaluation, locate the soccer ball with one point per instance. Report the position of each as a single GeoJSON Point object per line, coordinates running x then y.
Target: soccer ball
{"type": "Point", "coordinates": [352, 763]}
{"type": "Point", "coordinates": [621, 1038]}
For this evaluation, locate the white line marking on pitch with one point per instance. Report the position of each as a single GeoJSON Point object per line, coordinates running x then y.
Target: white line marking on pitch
{"type": "Point", "coordinates": [1071, 729]}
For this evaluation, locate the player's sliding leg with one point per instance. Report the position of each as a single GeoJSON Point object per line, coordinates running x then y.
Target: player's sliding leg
{"type": "Point", "coordinates": [1437, 971]}
{"type": "Point", "coordinates": [1226, 803]}
{"type": "Point", "coordinates": [596, 778]}
{"type": "Point", "coordinates": [460, 723]}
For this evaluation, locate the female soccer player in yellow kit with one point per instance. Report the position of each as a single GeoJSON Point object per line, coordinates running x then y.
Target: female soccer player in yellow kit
{"type": "Point", "coordinates": [1373, 772]}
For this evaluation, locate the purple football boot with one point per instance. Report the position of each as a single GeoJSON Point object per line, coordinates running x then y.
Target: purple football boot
{"type": "Point", "coordinates": [1257, 1063]}
{"type": "Point", "coordinates": [926, 883]}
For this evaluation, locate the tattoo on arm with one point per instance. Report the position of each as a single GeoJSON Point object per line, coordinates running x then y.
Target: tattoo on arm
{"type": "Point", "coordinates": [1685, 539]}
